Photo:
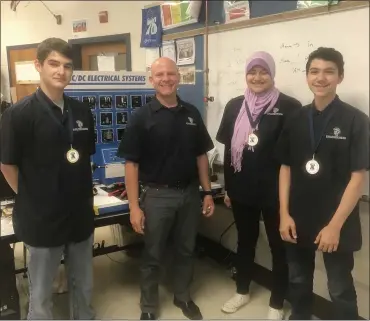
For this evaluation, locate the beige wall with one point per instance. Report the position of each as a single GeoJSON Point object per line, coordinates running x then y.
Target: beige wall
{"type": "Point", "coordinates": [32, 23]}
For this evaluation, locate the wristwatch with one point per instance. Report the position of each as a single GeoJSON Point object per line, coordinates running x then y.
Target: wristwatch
{"type": "Point", "coordinates": [207, 193]}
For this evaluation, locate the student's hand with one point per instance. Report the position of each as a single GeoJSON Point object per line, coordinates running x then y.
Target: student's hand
{"type": "Point", "coordinates": [227, 201]}
{"type": "Point", "coordinates": [287, 229]}
{"type": "Point", "coordinates": [137, 219]}
{"type": "Point", "coordinates": [328, 239]}
{"type": "Point", "coordinates": [208, 206]}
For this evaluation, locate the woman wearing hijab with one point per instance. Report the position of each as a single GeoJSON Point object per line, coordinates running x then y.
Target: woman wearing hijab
{"type": "Point", "coordinates": [249, 129]}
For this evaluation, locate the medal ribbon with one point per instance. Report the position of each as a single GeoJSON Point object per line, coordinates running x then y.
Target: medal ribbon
{"type": "Point", "coordinates": [314, 144]}
{"type": "Point", "coordinates": [254, 123]}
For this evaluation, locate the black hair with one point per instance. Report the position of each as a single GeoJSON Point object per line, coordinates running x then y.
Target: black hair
{"type": "Point", "coordinates": [53, 44]}
{"type": "Point", "coordinates": [327, 54]}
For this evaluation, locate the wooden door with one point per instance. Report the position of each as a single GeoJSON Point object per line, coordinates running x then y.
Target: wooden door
{"type": "Point", "coordinates": [90, 53]}
{"type": "Point", "coordinates": [18, 55]}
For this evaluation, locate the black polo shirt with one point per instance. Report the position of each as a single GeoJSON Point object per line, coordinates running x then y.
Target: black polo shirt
{"type": "Point", "coordinates": [257, 182]}
{"type": "Point", "coordinates": [343, 149]}
{"type": "Point", "coordinates": [54, 204]}
{"type": "Point", "coordinates": [165, 142]}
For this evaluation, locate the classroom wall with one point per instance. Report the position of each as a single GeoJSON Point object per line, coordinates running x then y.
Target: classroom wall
{"type": "Point", "coordinates": [32, 23]}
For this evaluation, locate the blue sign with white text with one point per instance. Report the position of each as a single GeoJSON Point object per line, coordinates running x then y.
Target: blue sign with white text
{"type": "Point", "coordinates": [151, 28]}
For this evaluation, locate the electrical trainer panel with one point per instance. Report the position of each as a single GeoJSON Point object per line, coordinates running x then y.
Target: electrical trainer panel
{"type": "Point", "coordinates": [112, 98]}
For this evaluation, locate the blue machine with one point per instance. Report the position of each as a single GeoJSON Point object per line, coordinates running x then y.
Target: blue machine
{"type": "Point", "coordinates": [112, 98]}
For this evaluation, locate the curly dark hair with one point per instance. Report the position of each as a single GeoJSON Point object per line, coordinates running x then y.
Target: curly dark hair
{"type": "Point", "coordinates": [327, 54]}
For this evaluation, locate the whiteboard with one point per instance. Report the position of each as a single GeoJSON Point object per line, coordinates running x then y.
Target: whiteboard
{"type": "Point", "coordinates": [290, 43]}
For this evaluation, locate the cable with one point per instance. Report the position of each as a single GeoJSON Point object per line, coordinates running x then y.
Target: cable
{"type": "Point", "coordinates": [115, 261]}
{"type": "Point", "coordinates": [220, 241]}
{"type": "Point", "coordinates": [224, 232]}
{"type": "Point", "coordinates": [47, 8]}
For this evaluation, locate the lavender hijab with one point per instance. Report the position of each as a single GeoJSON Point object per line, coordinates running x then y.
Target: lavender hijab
{"type": "Point", "coordinates": [256, 103]}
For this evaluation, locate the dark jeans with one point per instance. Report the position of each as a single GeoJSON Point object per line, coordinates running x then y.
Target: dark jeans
{"type": "Point", "coordinates": [247, 220]}
{"type": "Point", "coordinates": [338, 267]}
{"type": "Point", "coordinates": [168, 211]}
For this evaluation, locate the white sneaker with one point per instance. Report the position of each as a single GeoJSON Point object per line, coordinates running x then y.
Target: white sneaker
{"type": "Point", "coordinates": [235, 303]}
{"type": "Point", "coordinates": [275, 314]}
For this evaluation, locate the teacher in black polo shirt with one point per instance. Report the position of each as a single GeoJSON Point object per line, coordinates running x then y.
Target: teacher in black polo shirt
{"type": "Point", "coordinates": [45, 158]}
{"type": "Point", "coordinates": [324, 152]}
{"type": "Point", "coordinates": [165, 147]}
{"type": "Point", "coordinates": [249, 129]}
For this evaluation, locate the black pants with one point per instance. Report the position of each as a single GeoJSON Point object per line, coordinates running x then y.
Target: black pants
{"type": "Point", "coordinates": [168, 211]}
{"type": "Point", "coordinates": [338, 265]}
{"type": "Point", "coordinates": [247, 220]}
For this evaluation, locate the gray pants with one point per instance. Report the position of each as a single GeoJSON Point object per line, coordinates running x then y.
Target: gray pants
{"type": "Point", "coordinates": [42, 269]}
{"type": "Point", "coordinates": [176, 211]}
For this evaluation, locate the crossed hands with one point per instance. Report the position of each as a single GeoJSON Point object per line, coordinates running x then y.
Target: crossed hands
{"type": "Point", "coordinates": [327, 240]}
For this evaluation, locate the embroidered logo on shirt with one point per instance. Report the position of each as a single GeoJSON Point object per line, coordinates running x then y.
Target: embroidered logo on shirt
{"type": "Point", "coordinates": [191, 122]}
{"type": "Point", "coordinates": [79, 126]}
{"type": "Point", "coordinates": [275, 112]}
{"type": "Point", "coordinates": [336, 134]}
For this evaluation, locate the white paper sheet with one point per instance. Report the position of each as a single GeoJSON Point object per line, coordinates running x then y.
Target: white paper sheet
{"type": "Point", "coordinates": [169, 50]}
{"type": "Point", "coordinates": [106, 63]}
{"type": "Point", "coordinates": [151, 54]}
{"type": "Point", "coordinates": [187, 75]}
{"type": "Point", "coordinates": [185, 49]}
{"type": "Point", "coordinates": [25, 71]}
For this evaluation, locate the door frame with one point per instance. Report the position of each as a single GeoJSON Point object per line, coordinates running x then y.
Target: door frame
{"type": "Point", "coordinates": [76, 47]}
{"type": "Point", "coordinates": [16, 47]}
{"type": "Point", "coordinates": [77, 43]}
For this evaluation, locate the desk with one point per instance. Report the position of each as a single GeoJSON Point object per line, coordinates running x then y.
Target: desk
{"type": "Point", "coordinates": [109, 210]}
{"type": "Point", "coordinates": [115, 212]}
{"type": "Point", "coordinates": [12, 311]}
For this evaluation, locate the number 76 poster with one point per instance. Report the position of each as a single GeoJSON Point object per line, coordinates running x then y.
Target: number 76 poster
{"type": "Point", "coordinates": [151, 28]}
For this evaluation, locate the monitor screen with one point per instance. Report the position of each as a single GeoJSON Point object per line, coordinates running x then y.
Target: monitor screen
{"type": "Point", "coordinates": [5, 190]}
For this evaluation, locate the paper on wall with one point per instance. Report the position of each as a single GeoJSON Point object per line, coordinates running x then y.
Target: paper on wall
{"type": "Point", "coordinates": [25, 72]}
{"type": "Point", "coordinates": [79, 28]}
{"type": "Point", "coordinates": [106, 63]}
{"type": "Point", "coordinates": [194, 8]}
{"type": "Point", "coordinates": [151, 54]}
{"type": "Point", "coordinates": [169, 50]}
{"type": "Point", "coordinates": [185, 49]}
{"type": "Point", "coordinates": [236, 11]}
{"type": "Point", "coordinates": [187, 75]}
{"type": "Point", "coordinates": [312, 4]}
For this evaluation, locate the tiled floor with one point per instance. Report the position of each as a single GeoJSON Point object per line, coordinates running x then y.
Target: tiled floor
{"type": "Point", "coordinates": [215, 226]}
{"type": "Point", "coordinates": [116, 291]}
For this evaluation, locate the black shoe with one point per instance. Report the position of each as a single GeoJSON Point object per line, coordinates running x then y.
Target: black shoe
{"type": "Point", "coordinates": [190, 309]}
{"type": "Point", "coordinates": [147, 316]}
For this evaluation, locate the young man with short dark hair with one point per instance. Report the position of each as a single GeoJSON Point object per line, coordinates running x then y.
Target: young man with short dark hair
{"type": "Point", "coordinates": [46, 161]}
{"type": "Point", "coordinates": [324, 152]}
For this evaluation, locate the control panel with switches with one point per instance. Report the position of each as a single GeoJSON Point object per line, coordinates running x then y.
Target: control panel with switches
{"type": "Point", "coordinates": [112, 98]}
